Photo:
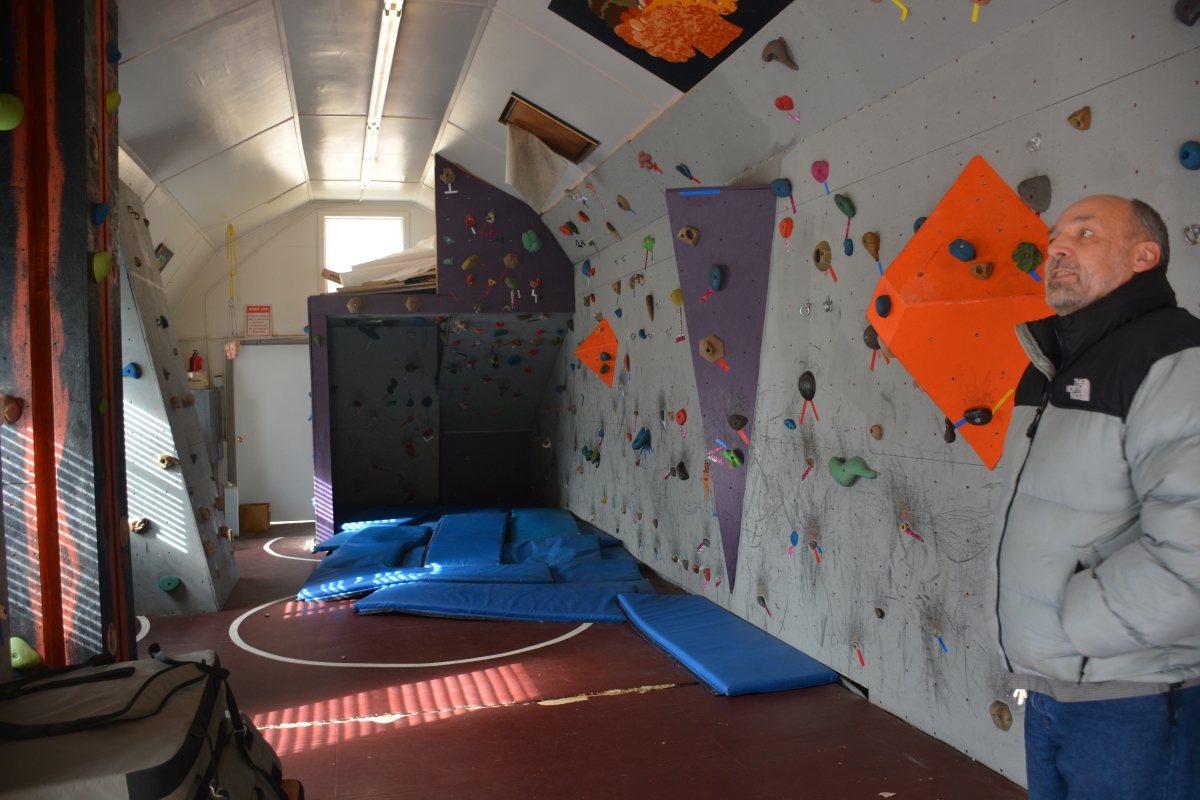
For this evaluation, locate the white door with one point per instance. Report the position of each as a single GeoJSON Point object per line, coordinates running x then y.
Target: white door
{"type": "Point", "coordinates": [274, 434]}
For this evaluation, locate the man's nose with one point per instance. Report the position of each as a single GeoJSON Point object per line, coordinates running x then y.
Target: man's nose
{"type": "Point", "coordinates": [1058, 248]}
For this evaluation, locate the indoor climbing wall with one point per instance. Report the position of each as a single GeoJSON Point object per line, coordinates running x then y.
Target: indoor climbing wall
{"type": "Point", "coordinates": [383, 410]}
{"type": "Point", "coordinates": [182, 552]}
{"type": "Point", "coordinates": [879, 577]}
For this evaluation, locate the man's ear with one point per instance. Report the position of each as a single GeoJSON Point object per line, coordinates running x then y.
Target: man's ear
{"type": "Point", "coordinates": [1146, 256]}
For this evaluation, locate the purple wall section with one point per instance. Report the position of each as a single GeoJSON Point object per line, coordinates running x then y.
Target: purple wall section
{"type": "Point", "coordinates": [736, 225]}
{"type": "Point", "coordinates": [485, 468]}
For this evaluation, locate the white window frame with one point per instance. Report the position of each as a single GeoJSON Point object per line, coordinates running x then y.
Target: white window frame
{"type": "Point", "coordinates": [394, 211]}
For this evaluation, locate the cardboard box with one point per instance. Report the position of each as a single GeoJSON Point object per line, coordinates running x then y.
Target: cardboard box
{"type": "Point", "coordinates": [198, 380]}
{"type": "Point", "coordinates": [254, 517]}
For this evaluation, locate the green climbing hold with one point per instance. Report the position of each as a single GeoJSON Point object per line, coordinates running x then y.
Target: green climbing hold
{"type": "Point", "coordinates": [845, 205]}
{"type": "Point", "coordinates": [168, 583]}
{"type": "Point", "coordinates": [573, 409]}
{"type": "Point", "coordinates": [112, 101]}
{"type": "Point", "coordinates": [104, 406]}
{"type": "Point", "coordinates": [317, 338]}
{"type": "Point", "coordinates": [101, 264]}
{"type": "Point", "coordinates": [23, 656]}
{"type": "Point", "coordinates": [556, 341]}
{"type": "Point", "coordinates": [410, 368]}
{"type": "Point", "coordinates": [1027, 257]}
{"type": "Point", "coordinates": [512, 282]}
{"type": "Point", "coordinates": [12, 111]}
{"type": "Point", "coordinates": [848, 471]}
{"type": "Point", "coordinates": [470, 262]}
{"type": "Point", "coordinates": [734, 457]}
{"type": "Point", "coordinates": [530, 241]}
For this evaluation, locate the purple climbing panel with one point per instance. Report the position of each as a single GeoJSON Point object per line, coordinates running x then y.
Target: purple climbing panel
{"type": "Point", "coordinates": [736, 226]}
{"type": "Point", "coordinates": [474, 197]}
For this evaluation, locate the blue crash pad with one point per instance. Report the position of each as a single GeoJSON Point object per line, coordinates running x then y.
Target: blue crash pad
{"type": "Point", "coordinates": [418, 534]}
{"type": "Point", "coordinates": [596, 602]}
{"type": "Point", "coordinates": [595, 570]}
{"type": "Point", "coordinates": [466, 539]}
{"type": "Point", "coordinates": [540, 523]}
{"type": "Point", "coordinates": [340, 583]}
{"type": "Point", "coordinates": [725, 653]}
{"type": "Point", "coordinates": [414, 557]}
{"type": "Point", "coordinates": [553, 550]}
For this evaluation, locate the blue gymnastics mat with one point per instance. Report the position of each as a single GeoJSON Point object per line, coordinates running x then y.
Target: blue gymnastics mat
{"type": "Point", "coordinates": [376, 533]}
{"type": "Point", "coordinates": [468, 539]}
{"type": "Point", "coordinates": [725, 653]}
{"type": "Point", "coordinates": [340, 583]}
{"type": "Point", "coordinates": [589, 602]}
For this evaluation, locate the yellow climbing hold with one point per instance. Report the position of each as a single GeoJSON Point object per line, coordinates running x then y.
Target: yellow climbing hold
{"type": "Point", "coordinates": [101, 264]}
{"type": "Point", "coordinates": [677, 298]}
{"type": "Point", "coordinates": [23, 656]}
{"type": "Point", "coordinates": [112, 101]}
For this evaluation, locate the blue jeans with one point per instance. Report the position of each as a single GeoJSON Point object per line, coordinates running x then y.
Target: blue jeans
{"type": "Point", "coordinates": [1114, 748]}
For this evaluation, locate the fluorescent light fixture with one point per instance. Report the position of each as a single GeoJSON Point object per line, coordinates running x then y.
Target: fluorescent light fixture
{"type": "Point", "coordinates": [388, 32]}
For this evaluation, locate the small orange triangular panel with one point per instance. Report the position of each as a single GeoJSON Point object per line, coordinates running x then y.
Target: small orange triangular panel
{"type": "Point", "coordinates": [601, 340]}
{"type": "Point", "coordinates": [954, 332]}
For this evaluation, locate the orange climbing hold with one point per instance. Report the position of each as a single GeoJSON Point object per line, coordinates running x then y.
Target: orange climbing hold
{"type": "Point", "coordinates": [601, 340]}
{"type": "Point", "coordinates": [952, 331]}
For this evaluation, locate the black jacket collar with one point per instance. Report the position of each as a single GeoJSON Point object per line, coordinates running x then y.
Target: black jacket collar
{"type": "Point", "coordinates": [1064, 339]}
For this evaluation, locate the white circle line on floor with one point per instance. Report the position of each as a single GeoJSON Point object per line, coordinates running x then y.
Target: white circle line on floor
{"type": "Point", "coordinates": [270, 542]}
{"type": "Point", "coordinates": [143, 627]}
{"type": "Point", "coordinates": [237, 639]}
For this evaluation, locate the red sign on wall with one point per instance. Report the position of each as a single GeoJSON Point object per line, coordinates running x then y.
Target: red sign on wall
{"type": "Point", "coordinates": [258, 322]}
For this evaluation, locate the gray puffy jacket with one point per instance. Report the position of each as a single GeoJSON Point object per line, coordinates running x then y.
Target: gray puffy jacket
{"type": "Point", "coordinates": [1095, 558]}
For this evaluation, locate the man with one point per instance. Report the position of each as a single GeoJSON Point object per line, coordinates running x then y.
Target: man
{"type": "Point", "coordinates": [1095, 559]}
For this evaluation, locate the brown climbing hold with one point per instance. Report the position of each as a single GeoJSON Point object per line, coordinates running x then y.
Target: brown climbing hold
{"type": "Point", "coordinates": [413, 304]}
{"type": "Point", "coordinates": [822, 256]}
{"type": "Point", "coordinates": [622, 203]}
{"type": "Point", "coordinates": [139, 524]}
{"type": "Point", "coordinates": [612, 231]}
{"type": "Point", "coordinates": [190, 400]}
{"type": "Point", "coordinates": [219, 503]}
{"type": "Point", "coordinates": [1081, 119]}
{"type": "Point", "coordinates": [712, 348]}
{"type": "Point", "coordinates": [225, 531]}
{"type": "Point", "coordinates": [176, 402]}
{"type": "Point", "coordinates": [870, 240]}
{"type": "Point", "coordinates": [511, 261]}
{"type": "Point", "coordinates": [876, 431]}
{"type": "Point", "coordinates": [167, 461]}
{"type": "Point", "coordinates": [204, 514]}
{"type": "Point", "coordinates": [650, 306]}
{"type": "Point", "coordinates": [655, 521]}
{"type": "Point", "coordinates": [688, 234]}
{"type": "Point", "coordinates": [981, 270]}
{"type": "Point", "coordinates": [354, 305]}
{"type": "Point", "coordinates": [209, 548]}
{"type": "Point", "coordinates": [616, 287]}
{"type": "Point", "coordinates": [1001, 715]}
{"type": "Point", "coordinates": [777, 50]}
{"type": "Point", "coordinates": [13, 407]}
{"type": "Point", "coordinates": [639, 515]}
{"type": "Point", "coordinates": [879, 613]}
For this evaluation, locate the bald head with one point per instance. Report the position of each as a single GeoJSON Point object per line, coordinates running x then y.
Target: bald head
{"type": "Point", "coordinates": [1098, 244]}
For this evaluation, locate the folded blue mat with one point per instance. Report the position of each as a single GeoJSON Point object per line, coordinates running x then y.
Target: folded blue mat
{"type": "Point", "coordinates": [595, 571]}
{"type": "Point", "coordinates": [553, 550]}
{"type": "Point", "coordinates": [406, 515]}
{"type": "Point", "coordinates": [595, 602]}
{"type": "Point", "coordinates": [355, 568]}
{"type": "Point", "coordinates": [725, 653]}
{"type": "Point", "coordinates": [340, 583]}
{"type": "Point", "coordinates": [418, 534]}
{"type": "Point", "coordinates": [464, 539]}
{"type": "Point", "coordinates": [540, 523]}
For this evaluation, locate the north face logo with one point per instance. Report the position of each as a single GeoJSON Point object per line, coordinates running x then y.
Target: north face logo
{"type": "Point", "coordinates": [1080, 389]}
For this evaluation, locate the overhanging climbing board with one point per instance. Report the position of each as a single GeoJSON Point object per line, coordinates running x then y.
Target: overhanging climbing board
{"type": "Point", "coordinates": [599, 352]}
{"type": "Point", "coordinates": [947, 305]}
{"type": "Point", "coordinates": [724, 262]}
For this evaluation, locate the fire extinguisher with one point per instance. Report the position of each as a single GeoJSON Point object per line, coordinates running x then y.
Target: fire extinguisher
{"type": "Point", "coordinates": [195, 363]}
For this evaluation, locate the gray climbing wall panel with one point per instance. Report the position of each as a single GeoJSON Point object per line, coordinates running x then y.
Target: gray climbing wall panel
{"type": "Point", "coordinates": [896, 157]}
{"type": "Point", "coordinates": [180, 501]}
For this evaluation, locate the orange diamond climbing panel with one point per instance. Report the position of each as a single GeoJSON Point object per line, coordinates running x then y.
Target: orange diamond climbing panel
{"type": "Point", "coordinates": [953, 331]}
{"type": "Point", "coordinates": [600, 342]}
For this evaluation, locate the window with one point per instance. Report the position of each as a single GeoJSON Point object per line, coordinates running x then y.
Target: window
{"type": "Point", "coordinates": [355, 240]}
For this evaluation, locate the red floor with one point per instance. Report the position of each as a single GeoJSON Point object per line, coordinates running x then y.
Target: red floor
{"type": "Point", "coordinates": [622, 720]}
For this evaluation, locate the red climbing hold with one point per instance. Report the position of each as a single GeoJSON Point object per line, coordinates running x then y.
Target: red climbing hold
{"type": "Point", "coordinates": [412, 451]}
{"type": "Point", "coordinates": [784, 103]}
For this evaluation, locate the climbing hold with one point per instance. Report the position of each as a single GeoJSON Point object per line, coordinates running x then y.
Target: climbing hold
{"type": "Point", "coordinates": [131, 370]}
{"type": "Point", "coordinates": [820, 171]}
{"type": "Point", "coordinates": [569, 228]}
{"type": "Point", "coordinates": [876, 432]}
{"type": "Point", "coordinates": [101, 264]}
{"type": "Point", "coordinates": [848, 247]}
{"type": "Point", "coordinates": [962, 250]}
{"type": "Point", "coordinates": [919, 222]}
{"type": "Point", "coordinates": [354, 305]}
{"type": "Point", "coordinates": [99, 213]}
{"type": "Point", "coordinates": [681, 417]}
{"type": "Point", "coordinates": [786, 226]}
{"type": "Point", "coordinates": [822, 256]}
{"type": "Point", "coordinates": [781, 187]}
{"type": "Point", "coordinates": [427, 402]}
{"type": "Point", "coordinates": [411, 450]}
{"type": "Point", "coordinates": [871, 337]}
{"type": "Point", "coordinates": [413, 304]}
{"type": "Point", "coordinates": [777, 50]}
{"type": "Point", "coordinates": [642, 439]}
{"type": "Point", "coordinates": [411, 368]}
{"type": "Point", "coordinates": [586, 268]}
{"type": "Point", "coordinates": [469, 262]}
{"type": "Point", "coordinates": [112, 101]}
{"type": "Point", "coordinates": [23, 656]}
{"type": "Point", "coordinates": [883, 305]}
{"type": "Point", "coordinates": [1036, 193]}
{"type": "Point", "coordinates": [981, 270]}
{"type": "Point", "coordinates": [846, 472]}
{"type": "Point", "coordinates": [1027, 257]}
{"type": "Point", "coordinates": [616, 287]}
{"type": "Point", "coordinates": [168, 583]}
{"type": "Point", "coordinates": [204, 514]}
{"type": "Point", "coordinates": [1187, 12]}
{"type": "Point", "coordinates": [612, 231]}
{"type": "Point", "coordinates": [734, 457]}
{"type": "Point", "coordinates": [1189, 152]}
{"type": "Point", "coordinates": [681, 471]}
{"type": "Point", "coordinates": [845, 205]}
{"type": "Point", "coordinates": [949, 435]}
{"type": "Point", "coordinates": [514, 360]}
{"type": "Point", "coordinates": [112, 54]}
{"type": "Point", "coordinates": [807, 385]}
{"type": "Point", "coordinates": [790, 424]}
{"type": "Point", "coordinates": [530, 241]}
{"type": "Point", "coordinates": [978, 416]}
{"type": "Point", "coordinates": [511, 261]}
{"type": "Point", "coordinates": [1192, 234]}
{"type": "Point", "coordinates": [870, 241]}
{"type": "Point", "coordinates": [677, 298]}
{"type": "Point", "coordinates": [622, 203]}
{"type": "Point", "coordinates": [711, 348]}
{"type": "Point", "coordinates": [716, 278]}
{"type": "Point", "coordinates": [688, 234]}
{"type": "Point", "coordinates": [879, 613]}
{"type": "Point", "coordinates": [1081, 120]}
{"type": "Point", "coordinates": [12, 111]}
{"type": "Point", "coordinates": [1000, 712]}
{"type": "Point", "coordinates": [510, 282]}
{"type": "Point", "coordinates": [784, 103]}
{"type": "Point", "coordinates": [176, 402]}
{"type": "Point", "coordinates": [606, 356]}
{"type": "Point", "coordinates": [737, 421]}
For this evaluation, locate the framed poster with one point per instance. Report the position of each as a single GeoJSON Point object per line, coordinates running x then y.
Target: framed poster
{"type": "Point", "coordinates": [258, 322]}
{"type": "Point", "coordinates": [680, 41]}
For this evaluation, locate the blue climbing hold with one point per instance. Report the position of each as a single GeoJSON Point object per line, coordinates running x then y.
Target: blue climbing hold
{"type": "Point", "coordinates": [131, 370]}
{"type": "Point", "coordinates": [418, 320]}
{"type": "Point", "coordinates": [716, 277]}
{"type": "Point", "coordinates": [601, 433]}
{"type": "Point", "coordinates": [781, 187]}
{"type": "Point", "coordinates": [586, 268]}
{"type": "Point", "coordinates": [790, 424]}
{"type": "Point", "coordinates": [99, 213]}
{"type": "Point", "coordinates": [162, 322]}
{"type": "Point", "coordinates": [427, 402]}
{"type": "Point", "coordinates": [501, 332]}
{"type": "Point", "coordinates": [572, 368]}
{"type": "Point", "coordinates": [641, 333]}
{"type": "Point", "coordinates": [560, 332]}
{"type": "Point", "coordinates": [168, 583]}
{"type": "Point", "coordinates": [917, 225]}
{"type": "Point", "coordinates": [112, 53]}
{"type": "Point", "coordinates": [618, 312]}
{"type": "Point", "coordinates": [848, 247]}
{"type": "Point", "coordinates": [883, 305]}
{"type": "Point", "coordinates": [605, 357]}
{"type": "Point", "coordinates": [306, 329]}
{"type": "Point", "coordinates": [642, 439]}
{"type": "Point", "coordinates": [409, 404]}
{"type": "Point", "coordinates": [794, 538]}
{"type": "Point", "coordinates": [559, 389]}
{"type": "Point", "coordinates": [962, 250]}
{"type": "Point", "coordinates": [514, 360]}
{"type": "Point", "coordinates": [1189, 155]}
